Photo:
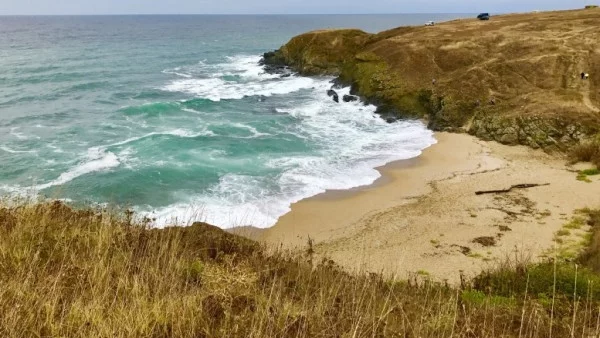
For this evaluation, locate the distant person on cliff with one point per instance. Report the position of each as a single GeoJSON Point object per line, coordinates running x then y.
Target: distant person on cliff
{"type": "Point", "coordinates": [587, 76]}
{"type": "Point", "coordinates": [582, 75]}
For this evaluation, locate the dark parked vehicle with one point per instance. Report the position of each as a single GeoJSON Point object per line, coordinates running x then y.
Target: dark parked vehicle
{"type": "Point", "coordinates": [483, 16]}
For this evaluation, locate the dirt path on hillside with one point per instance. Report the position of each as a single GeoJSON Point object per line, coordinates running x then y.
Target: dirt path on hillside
{"type": "Point", "coordinates": [586, 98]}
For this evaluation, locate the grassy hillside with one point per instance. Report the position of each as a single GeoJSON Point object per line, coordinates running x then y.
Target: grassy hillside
{"type": "Point", "coordinates": [529, 65]}
{"type": "Point", "coordinates": [90, 273]}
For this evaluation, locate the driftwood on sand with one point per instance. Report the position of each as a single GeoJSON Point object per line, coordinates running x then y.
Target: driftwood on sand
{"type": "Point", "coordinates": [516, 186]}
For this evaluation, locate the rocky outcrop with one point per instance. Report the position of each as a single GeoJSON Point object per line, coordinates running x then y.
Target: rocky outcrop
{"type": "Point", "coordinates": [551, 134]}
{"type": "Point", "coordinates": [350, 98]}
{"type": "Point", "coordinates": [274, 63]}
{"type": "Point", "coordinates": [334, 95]}
{"type": "Point", "coordinates": [321, 52]}
{"type": "Point", "coordinates": [512, 79]}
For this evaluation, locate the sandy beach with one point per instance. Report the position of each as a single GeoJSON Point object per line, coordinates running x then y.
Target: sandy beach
{"type": "Point", "coordinates": [423, 215]}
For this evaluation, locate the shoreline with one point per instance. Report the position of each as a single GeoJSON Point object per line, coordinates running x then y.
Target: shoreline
{"type": "Point", "coordinates": [257, 233]}
{"type": "Point", "coordinates": [422, 216]}
{"type": "Point", "coordinates": [384, 179]}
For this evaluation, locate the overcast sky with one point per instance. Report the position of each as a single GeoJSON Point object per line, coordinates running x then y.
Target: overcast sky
{"type": "Point", "coordinates": [12, 7]}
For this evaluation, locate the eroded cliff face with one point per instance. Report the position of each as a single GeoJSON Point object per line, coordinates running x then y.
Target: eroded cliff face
{"type": "Point", "coordinates": [551, 134]}
{"type": "Point", "coordinates": [514, 79]}
{"type": "Point", "coordinates": [320, 52]}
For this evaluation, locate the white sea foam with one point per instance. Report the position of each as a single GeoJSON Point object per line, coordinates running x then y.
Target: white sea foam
{"type": "Point", "coordinates": [246, 67]}
{"type": "Point", "coordinates": [190, 110]}
{"type": "Point", "coordinates": [176, 72]}
{"type": "Point", "coordinates": [97, 160]}
{"type": "Point", "coordinates": [347, 141]}
{"type": "Point", "coordinates": [216, 89]}
{"type": "Point", "coordinates": [251, 80]}
{"type": "Point", "coordinates": [101, 159]}
{"type": "Point", "coordinates": [175, 132]}
{"type": "Point", "coordinates": [352, 140]}
{"type": "Point", "coordinates": [13, 151]}
{"type": "Point", "coordinates": [19, 135]}
{"type": "Point", "coordinates": [55, 149]}
{"type": "Point", "coordinates": [254, 131]}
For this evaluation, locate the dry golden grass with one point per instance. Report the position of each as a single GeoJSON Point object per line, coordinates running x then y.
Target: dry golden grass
{"type": "Point", "coordinates": [67, 273]}
{"type": "Point", "coordinates": [586, 152]}
{"type": "Point", "coordinates": [521, 61]}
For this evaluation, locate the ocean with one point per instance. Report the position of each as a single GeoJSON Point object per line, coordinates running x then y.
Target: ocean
{"type": "Point", "coordinates": [173, 117]}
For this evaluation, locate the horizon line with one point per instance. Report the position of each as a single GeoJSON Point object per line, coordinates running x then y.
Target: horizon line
{"type": "Point", "coordinates": [245, 14]}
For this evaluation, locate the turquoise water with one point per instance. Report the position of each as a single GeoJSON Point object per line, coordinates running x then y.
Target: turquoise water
{"type": "Point", "coordinates": [172, 116]}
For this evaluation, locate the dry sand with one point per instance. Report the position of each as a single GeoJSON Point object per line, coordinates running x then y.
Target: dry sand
{"type": "Point", "coordinates": [423, 215]}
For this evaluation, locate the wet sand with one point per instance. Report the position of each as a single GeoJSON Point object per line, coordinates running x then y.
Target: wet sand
{"type": "Point", "coordinates": [423, 215]}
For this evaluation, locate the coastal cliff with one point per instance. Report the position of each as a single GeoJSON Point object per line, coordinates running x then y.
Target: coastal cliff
{"type": "Point", "coordinates": [514, 79]}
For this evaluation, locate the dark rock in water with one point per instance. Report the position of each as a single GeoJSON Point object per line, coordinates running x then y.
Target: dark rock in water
{"type": "Point", "coordinates": [350, 98]}
{"type": "Point", "coordinates": [332, 93]}
{"type": "Point", "coordinates": [274, 58]}
{"type": "Point", "coordinates": [386, 110]}
{"type": "Point", "coordinates": [273, 69]}
{"type": "Point", "coordinates": [286, 75]}
{"type": "Point", "coordinates": [274, 63]}
{"type": "Point", "coordinates": [337, 83]}
{"type": "Point", "coordinates": [388, 113]}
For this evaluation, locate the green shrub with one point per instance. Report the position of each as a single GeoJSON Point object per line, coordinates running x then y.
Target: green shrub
{"type": "Point", "coordinates": [586, 152]}
{"type": "Point", "coordinates": [575, 224]}
{"type": "Point", "coordinates": [479, 298]}
{"type": "Point", "coordinates": [193, 272]}
{"type": "Point", "coordinates": [562, 280]}
{"type": "Point", "coordinates": [591, 172]}
{"type": "Point", "coordinates": [591, 256]}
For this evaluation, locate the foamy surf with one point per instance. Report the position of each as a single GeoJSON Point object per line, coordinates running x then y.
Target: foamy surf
{"type": "Point", "coordinates": [14, 151]}
{"type": "Point", "coordinates": [241, 76]}
{"type": "Point", "coordinates": [97, 160]}
{"type": "Point", "coordinates": [199, 149]}
{"type": "Point", "coordinates": [352, 141]}
{"type": "Point", "coordinates": [216, 89]}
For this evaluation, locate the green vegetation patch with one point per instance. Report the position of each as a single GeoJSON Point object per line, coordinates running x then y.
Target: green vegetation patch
{"type": "Point", "coordinates": [590, 172]}
{"type": "Point", "coordinates": [575, 224]}
{"type": "Point", "coordinates": [583, 178]}
{"type": "Point", "coordinates": [547, 279]}
{"type": "Point", "coordinates": [583, 174]}
{"type": "Point", "coordinates": [591, 255]}
{"type": "Point", "coordinates": [475, 297]}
